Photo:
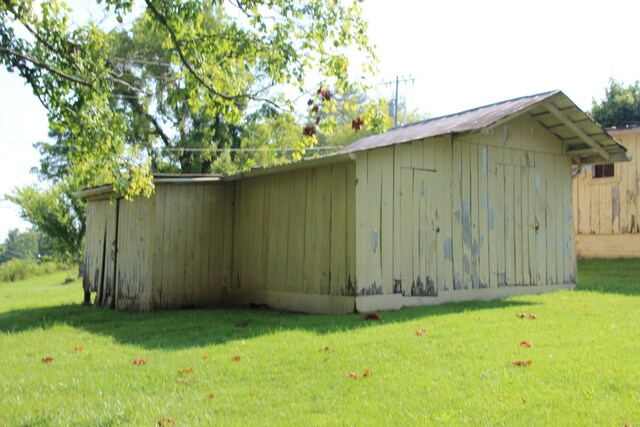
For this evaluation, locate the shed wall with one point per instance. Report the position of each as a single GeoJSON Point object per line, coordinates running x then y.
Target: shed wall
{"type": "Point", "coordinates": [191, 249]}
{"type": "Point", "coordinates": [607, 210]}
{"type": "Point", "coordinates": [100, 250]}
{"type": "Point", "coordinates": [294, 235]}
{"type": "Point", "coordinates": [442, 217]}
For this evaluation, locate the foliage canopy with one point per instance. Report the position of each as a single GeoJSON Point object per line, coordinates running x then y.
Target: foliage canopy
{"type": "Point", "coordinates": [620, 105]}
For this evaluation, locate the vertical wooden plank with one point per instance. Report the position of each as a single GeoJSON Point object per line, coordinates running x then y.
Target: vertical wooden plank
{"type": "Point", "coordinates": [350, 287]}
{"type": "Point", "coordinates": [200, 244]}
{"type": "Point", "coordinates": [311, 245]}
{"type": "Point", "coordinates": [483, 217]}
{"type": "Point", "coordinates": [363, 237]}
{"type": "Point", "coordinates": [509, 218]}
{"type": "Point", "coordinates": [158, 244]}
{"type": "Point", "coordinates": [373, 285]}
{"type": "Point", "coordinates": [338, 255]}
{"type": "Point", "coordinates": [417, 154]}
{"type": "Point", "coordinates": [442, 196]}
{"type": "Point", "coordinates": [497, 242]}
{"type": "Point", "coordinates": [401, 251]}
{"type": "Point", "coordinates": [227, 197]}
{"type": "Point", "coordinates": [275, 210]}
{"type": "Point", "coordinates": [281, 228]}
{"type": "Point", "coordinates": [550, 183]}
{"type": "Point", "coordinates": [238, 244]}
{"type": "Point", "coordinates": [419, 232]}
{"type": "Point", "coordinates": [387, 221]}
{"type": "Point", "coordinates": [323, 236]}
{"type": "Point", "coordinates": [474, 199]}
{"type": "Point", "coordinates": [465, 208]}
{"type": "Point", "coordinates": [407, 233]}
{"type": "Point", "coordinates": [517, 217]}
{"type": "Point", "coordinates": [531, 224]}
{"type": "Point", "coordinates": [456, 217]}
{"type": "Point", "coordinates": [568, 227]}
{"type": "Point", "coordinates": [172, 259]}
{"type": "Point", "coordinates": [296, 242]}
{"type": "Point", "coordinates": [432, 224]}
{"type": "Point", "coordinates": [190, 245]}
{"type": "Point", "coordinates": [207, 267]}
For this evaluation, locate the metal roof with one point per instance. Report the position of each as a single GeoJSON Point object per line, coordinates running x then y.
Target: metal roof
{"type": "Point", "coordinates": [583, 139]}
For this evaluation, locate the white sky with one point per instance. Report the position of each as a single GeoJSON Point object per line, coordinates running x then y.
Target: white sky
{"type": "Point", "coordinates": [463, 54]}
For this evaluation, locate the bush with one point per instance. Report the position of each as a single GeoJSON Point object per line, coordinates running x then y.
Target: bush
{"type": "Point", "coordinates": [19, 269]}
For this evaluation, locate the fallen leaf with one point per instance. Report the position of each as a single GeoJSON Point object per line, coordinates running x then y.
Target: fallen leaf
{"type": "Point", "coordinates": [140, 361]}
{"type": "Point", "coordinates": [205, 356]}
{"type": "Point", "coordinates": [532, 316]}
{"type": "Point", "coordinates": [524, 399]}
{"type": "Point", "coordinates": [526, 344]}
{"type": "Point", "coordinates": [47, 359]}
{"type": "Point", "coordinates": [236, 358]}
{"type": "Point", "coordinates": [185, 371]}
{"type": "Point", "coordinates": [367, 373]}
{"type": "Point", "coordinates": [351, 375]}
{"type": "Point", "coordinates": [78, 349]}
{"type": "Point", "coordinates": [421, 332]}
{"type": "Point", "coordinates": [522, 363]}
{"type": "Point", "coordinates": [212, 395]}
{"type": "Point", "coordinates": [166, 422]}
{"type": "Point", "coordinates": [326, 348]}
{"type": "Point", "coordinates": [521, 315]}
{"type": "Point", "coordinates": [372, 316]}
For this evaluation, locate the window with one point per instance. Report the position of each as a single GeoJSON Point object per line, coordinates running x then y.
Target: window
{"type": "Point", "coordinates": [603, 171]}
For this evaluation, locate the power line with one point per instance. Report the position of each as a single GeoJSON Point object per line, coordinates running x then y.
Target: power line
{"type": "Point", "coordinates": [248, 150]}
{"type": "Point", "coordinates": [397, 82]}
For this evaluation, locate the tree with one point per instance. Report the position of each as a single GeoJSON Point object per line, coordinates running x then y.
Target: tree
{"type": "Point", "coordinates": [20, 246]}
{"type": "Point", "coordinates": [195, 68]}
{"type": "Point", "coordinates": [620, 105]}
{"type": "Point", "coordinates": [57, 214]}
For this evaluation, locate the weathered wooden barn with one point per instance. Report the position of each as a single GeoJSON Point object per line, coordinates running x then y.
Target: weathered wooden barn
{"type": "Point", "coordinates": [607, 203]}
{"type": "Point", "coordinates": [475, 205]}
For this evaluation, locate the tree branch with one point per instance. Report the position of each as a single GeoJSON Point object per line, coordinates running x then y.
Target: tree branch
{"type": "Point", "coordinates": [41, 64]}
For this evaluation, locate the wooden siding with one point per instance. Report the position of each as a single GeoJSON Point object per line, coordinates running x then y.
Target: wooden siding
{"type": "Point", "coordinates": [293, 232]}
{"type": "Point", "coordinates": [610, 205]}
{"type": "Point", "coordinates": [607, 210]}
{"type": "Point", "coordinates": [478, 211]}
{"type": "Point", "coordinates": [100, 250]}
{"type": "Point", "coordinates": [191, 243]}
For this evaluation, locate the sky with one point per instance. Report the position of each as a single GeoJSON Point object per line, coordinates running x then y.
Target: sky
{"type": "Point", "coordinates": [461, 55]}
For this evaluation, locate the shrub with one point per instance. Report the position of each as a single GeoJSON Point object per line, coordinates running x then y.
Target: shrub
{"type": "Point", "coordinates": [19, 269]}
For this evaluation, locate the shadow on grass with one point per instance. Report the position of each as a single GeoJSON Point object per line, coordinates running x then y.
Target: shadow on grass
{"type": "Point", "coordinates": [614, 276]}
{"type": "Point", "coordinates": [197, 327]}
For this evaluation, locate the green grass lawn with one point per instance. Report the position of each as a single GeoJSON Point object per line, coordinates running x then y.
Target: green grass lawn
{"type": "Point", "coordinates": [257, 367]}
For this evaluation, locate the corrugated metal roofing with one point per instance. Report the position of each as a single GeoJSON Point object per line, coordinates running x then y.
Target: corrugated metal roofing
{"type": "Point", "coordinates": [585, 140]}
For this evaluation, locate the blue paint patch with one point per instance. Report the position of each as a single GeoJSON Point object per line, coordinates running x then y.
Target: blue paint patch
{"type": "Point", "coordinates": [491, 222]}
{"type": "Point", "coordinates": [474, 250]}
{"type": "Point", "coordinates": [448, 250]}
{"type": "Point", "coordinates": [537, 181]}
{"type": "Point", "coordinates": [567, 214]}
{"type": "Point", "coordinates": [481, 239]}
{"type": "Point", "coordinates": [422, 189]}
{"type": "Point", "coordinates": [485, 200]}
{"type": "Point", "coordinates": [502, 279]}
{"type": "Point", "coordinates": [465, 265]}
{"type": "Point", "coordinates": [374, 241]}
{"type": "Point", "coordinates": [457, 216]}
{"type": "Point", "coordinates": [466, 224]}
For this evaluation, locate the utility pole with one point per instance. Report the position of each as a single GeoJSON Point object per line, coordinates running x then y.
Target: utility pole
{"type": "Point", "coordinates": [398, 80]}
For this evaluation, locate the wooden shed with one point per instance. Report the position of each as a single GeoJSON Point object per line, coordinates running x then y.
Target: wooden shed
{"type": "Point", "coordinates": [607, 203]}
{"type": "Point", "coordinates": [475, 205]}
